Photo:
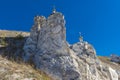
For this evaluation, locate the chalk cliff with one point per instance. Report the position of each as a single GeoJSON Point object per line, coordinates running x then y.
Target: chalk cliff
{"type": "Point", "coordinates": [48, 49]}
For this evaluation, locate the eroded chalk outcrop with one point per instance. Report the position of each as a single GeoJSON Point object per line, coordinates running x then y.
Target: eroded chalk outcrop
{"type": "Point", "coordinates": [48, 49]}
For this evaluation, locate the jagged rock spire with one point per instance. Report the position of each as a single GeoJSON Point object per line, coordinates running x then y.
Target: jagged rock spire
{"type": "Point", "coordinates": [37, 19]}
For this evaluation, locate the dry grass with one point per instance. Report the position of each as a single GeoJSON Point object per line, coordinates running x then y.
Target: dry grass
{"type": "Point", "coordinates": [10, 70]}
{"type": "Point", "coordinates": [106, 61]}
{"type": "Point", "coordinates": [15, 69]}
{"type": "Point", "coordinates": [5, 33]}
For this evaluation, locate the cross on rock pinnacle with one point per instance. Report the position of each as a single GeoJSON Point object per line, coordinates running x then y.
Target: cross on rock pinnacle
{"type": "Point", "coordinates": [81, 37]}
{"type": "Point", "coordinates": [54, 9]}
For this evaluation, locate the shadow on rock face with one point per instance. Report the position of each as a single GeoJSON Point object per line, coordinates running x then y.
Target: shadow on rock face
{"type": "Point", "coordinates": [12, 47]}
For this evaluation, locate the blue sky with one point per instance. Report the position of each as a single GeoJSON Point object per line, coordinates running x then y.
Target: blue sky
{"type": "Point", "coordinates": [98, 20]}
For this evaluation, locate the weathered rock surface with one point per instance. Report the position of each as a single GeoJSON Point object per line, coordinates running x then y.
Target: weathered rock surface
{"type": "Point", "coordinates": [113, 74]}
{"type": "Point", "coordinates": [115, 58]}
{"type": "Point", "coordinates": [47, 44]}
{"type": "Point", "coordinates": [107, 61]}
{"type": "Point", "coordinates": [92, 68]}
{"type": "Point", "coordinates": [48, 49]}
{"type": "Point", "coordinates": [12, 42]}
{"type": "Point", "coordinates": [84, 48]}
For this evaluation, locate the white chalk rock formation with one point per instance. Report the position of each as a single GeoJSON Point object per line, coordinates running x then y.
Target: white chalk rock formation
{"type": "Point", "coordinates": [31, 43]}
{"type": "Point", "coordinates": [48, 49]}
{"type": "Point", "coordinates": [113, 74]}
{"type": "Point", "coordinates": [91, 68]}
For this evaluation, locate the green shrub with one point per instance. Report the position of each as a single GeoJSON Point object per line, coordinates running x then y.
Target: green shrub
{"type": "Point", "coordinates": [19, 36]}
{"type": "Point", "coordinates": [3, 41]}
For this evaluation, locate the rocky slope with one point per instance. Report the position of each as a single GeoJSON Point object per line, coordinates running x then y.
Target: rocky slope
{"type": "Point", "coordinates": [12, 66]}
{"type": "Point", "coordinates": [10, 70]}
{"type": "Point", "coordinates": [107, 61]}
{"type": "Point", "coordinates": [48, 49]}
{"type": "Point", "coordinates": [12, 42]}
{"type": "Point", "coordinates": [115, 58]}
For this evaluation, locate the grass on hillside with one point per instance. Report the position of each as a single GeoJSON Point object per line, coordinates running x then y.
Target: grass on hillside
{"type": "Point", "coordinates": [106, 61]}
{"type": "Point", "coordinates": [10, 70]}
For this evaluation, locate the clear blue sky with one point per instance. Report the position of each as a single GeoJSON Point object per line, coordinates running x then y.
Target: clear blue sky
{"type": "Point", "coordinates": [98, 20]}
